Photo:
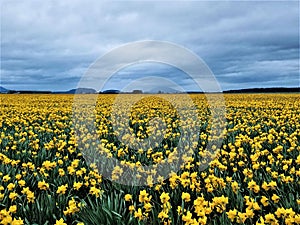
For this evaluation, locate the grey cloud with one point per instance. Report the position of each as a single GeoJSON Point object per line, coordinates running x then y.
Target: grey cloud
{"type": "Point", "coordinates": [246, 44]}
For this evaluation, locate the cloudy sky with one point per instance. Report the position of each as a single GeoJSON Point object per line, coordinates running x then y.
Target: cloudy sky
{"type": "Point", "coordinates": [49, 45]}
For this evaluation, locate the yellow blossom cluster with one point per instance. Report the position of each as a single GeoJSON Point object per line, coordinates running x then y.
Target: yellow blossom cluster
{"type": "Point", "coordinates": [248, 173]}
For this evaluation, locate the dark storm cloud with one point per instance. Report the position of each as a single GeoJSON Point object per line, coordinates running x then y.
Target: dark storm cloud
{"type": "Point", "coordinates": [50, 44]}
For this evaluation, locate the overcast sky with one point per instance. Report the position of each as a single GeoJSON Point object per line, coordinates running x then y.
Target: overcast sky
{"type": "Point", "coordinates": [48, 45]}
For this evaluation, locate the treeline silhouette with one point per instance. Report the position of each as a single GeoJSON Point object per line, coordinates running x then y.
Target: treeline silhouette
{"type": "Point", "coordinates": [265, 90]}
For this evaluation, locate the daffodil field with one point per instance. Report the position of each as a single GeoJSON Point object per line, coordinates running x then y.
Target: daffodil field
{"type": "Point", "coordinates": [253, 178]}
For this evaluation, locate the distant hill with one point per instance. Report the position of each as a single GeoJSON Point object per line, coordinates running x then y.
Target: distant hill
{"type": "Point", "coordinates": [3, 90]}
{"type": "Point", "coordinates": [82, 91]}
{"type": "Point", "coordinates": [78, 91]}
{"type": "Point", "coordinates": [265, 90]}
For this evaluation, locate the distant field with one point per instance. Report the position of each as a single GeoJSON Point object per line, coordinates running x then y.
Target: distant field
{"type": "Point", "coordinates": [254, 178]}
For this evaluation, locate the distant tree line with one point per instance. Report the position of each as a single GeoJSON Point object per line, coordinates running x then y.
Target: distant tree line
{"type": "Point", "coordinates": [265, 90]}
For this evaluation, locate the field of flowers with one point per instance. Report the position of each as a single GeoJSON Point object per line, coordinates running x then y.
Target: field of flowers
{"type": "Point", "coordinates": [254, 178]}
